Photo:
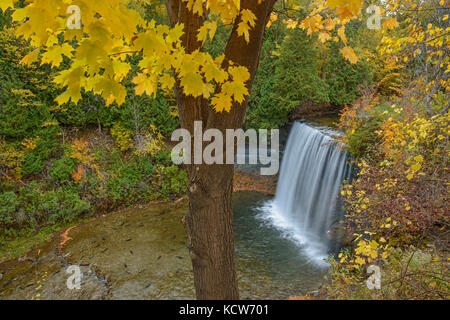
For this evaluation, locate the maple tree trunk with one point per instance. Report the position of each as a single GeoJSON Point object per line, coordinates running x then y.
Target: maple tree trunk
{"type": "Point", "coordinates": [209, 223]}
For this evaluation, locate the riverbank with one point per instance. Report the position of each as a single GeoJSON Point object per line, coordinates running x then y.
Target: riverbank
{"type": "Point", "coordinates": [89, 176]}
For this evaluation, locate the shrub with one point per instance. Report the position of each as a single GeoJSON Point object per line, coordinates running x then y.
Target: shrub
{"type": "Point", "coordinates": [124, 181]}
{"type": "Point", "coordinates": [122, 136]}
{"type": "Point", "coordinates": [174, 181]}
{"type": "Point", "coordinates": [146, 167]}
{"type": "Point", "coordinates": [364, 137]}
{"type": "Point", "coordinates": [63, 205]}
{"type": "Point", "coordinates": [8, 205]}
{"type": "Point", "coordinates": [47, 143]}
{"type": "Point", "coordinates": [11, 161]}
{"type": "Point", "coordinates": [39, 207]}
{"type": "Point", "coordinates": [35, 207]}
{"type": "Point", "coordinates": [62, 169]}
{"type": "Point", "coordinates": [396, 207]}
{"type": "Point", "coordinates": [163, 158]}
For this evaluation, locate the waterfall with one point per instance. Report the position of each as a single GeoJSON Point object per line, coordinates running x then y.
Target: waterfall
{"type": "Point", "coordinates": [306, 203]}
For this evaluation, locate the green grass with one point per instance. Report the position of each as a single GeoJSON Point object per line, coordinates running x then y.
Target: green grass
{"type": "Point", "coordinates": [23, 241]}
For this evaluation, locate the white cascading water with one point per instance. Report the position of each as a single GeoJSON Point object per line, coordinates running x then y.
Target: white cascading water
{"type": "Point", "coordinates": [306, 201]}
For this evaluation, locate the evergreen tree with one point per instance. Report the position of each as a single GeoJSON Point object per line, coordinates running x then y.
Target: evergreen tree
{"type": "Point", "coordinates": [296, 76]}
{"type": "Point", "coordinates": [344, 80]}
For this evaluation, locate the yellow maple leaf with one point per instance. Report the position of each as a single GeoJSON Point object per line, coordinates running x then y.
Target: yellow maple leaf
{"type": "Point", "coordinates": [273, 18]}
{"type": "Point", "coordinates": [167, 81]}
{"type": "Point", "coordinates": [91, 52]}
{"type": "Point", "coordinates": [243, 29]}
{"type": "Point", "coordinates": [291, 24]}
{"type": "Point", "coordinates": [341, 34]}
{"type": "Point", "coordinates": [54, 54]}
{"type": "Point", "coordinates": [144, 84]}
{"type": "Point", "coordinates": [346, 8]}
{"type": "Point", "coordinates": [208, 29]}
{"type": "Point", "coordinates": [198, 7]}
{"type": "Point", "coordinates": [235, 88]}
{"type": "Point", "coordinates": [111, 91]}
{"type": "Point", "coordinates": [349, 54]}
{"type": "Point", "coordinates": [239, 73]}
{"type": "Point", "coordinates": [213, 72]}
{"type": "Point", "coordinates": [71, 94]}
{"type": "Point", "coordinates": [310, 24]}
{"type": "Point", "coordinates": [390, 23]}
{"type": "Point", "coordinates": [5, 4]}
{"type": "Point", "coordinates": [175, 33]}
{"type": "Point", "coordinates": [324, 36]}
{"type": "Point", "coordinates": [248, 19]}
{"type": "Point", "coordinates": [30, 58]}
{"type": "Point", "coordinates": [121, 69]}
{"type": "Point", "coordinates": [221, 101]}
{"type": "Point", "coordinates": [192, 84]}
{"type": "Point", "coordinates": [70, 76]}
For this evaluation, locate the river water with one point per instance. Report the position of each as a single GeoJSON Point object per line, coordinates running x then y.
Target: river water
{"type": "Point", "coordinates": [141, 253]}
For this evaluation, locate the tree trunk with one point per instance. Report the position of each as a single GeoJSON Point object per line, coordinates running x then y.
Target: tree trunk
{"type": "Point", "coordinates": [209, 223]}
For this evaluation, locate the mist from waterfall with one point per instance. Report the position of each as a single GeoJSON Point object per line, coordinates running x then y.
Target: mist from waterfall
{"type": "Point", "coordinates": [306, 203]}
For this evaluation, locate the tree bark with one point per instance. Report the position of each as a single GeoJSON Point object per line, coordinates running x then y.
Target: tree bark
{"type": "Point", "coordinates": [209, 222]}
